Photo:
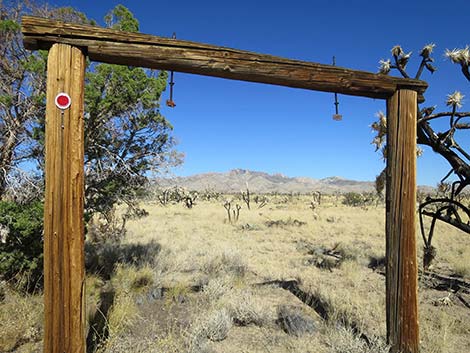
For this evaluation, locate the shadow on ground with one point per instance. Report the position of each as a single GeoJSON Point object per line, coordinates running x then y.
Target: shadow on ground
{"type": "Point", "coordinates": [102, 258]}
{"type": "Point", "coordinates": [99, 330]}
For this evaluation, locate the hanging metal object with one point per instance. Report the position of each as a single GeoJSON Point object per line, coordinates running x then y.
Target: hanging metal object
{"type": "Point", "coordinates": [336, 116]}
{"type": "Point", "coordinates": [169, 102]}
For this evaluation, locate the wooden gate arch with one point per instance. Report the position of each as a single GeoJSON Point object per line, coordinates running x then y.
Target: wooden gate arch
{"type": "Point", "coordinates": [68, 46]}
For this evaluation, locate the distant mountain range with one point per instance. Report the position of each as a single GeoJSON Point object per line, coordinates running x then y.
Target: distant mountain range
{"type": "Point", "coordinates": [237, 180]}
{"type": "Point", "coordinates": [260, 182]}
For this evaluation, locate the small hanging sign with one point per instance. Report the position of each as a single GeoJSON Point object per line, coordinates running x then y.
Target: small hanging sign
{"type": "Point", "coordinates": [337, 117]}
{"type": "Point", "coordinates": [63, 101]}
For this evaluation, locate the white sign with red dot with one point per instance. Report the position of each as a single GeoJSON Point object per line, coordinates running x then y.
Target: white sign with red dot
{"type": "Point", "coordinates": [63, 101]}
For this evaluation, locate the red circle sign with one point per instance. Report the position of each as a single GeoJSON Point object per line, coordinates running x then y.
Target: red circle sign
{"type": "Point", "coordinates": [63, 101]}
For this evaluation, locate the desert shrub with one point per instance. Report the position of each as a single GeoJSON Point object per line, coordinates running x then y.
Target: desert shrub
{"type": "Point", "coordinates": [108, 226]}
{"type": "Point", "coordinates": [94, 286]}
{"type": "Point", "coordinates": [329, 258]}
{"type": "Point", "coordinates": [144, 279]}
{"type": "Point", "coordinates": [133, 279]}
{"type": "Point", "coordinates": [21, 240]}
{"type": "Point", "coordinates": [344, 312]}
{"type": "Point", "coordinates": [229, 262]}
{"type": "Point", "coordinates": [217, 325]}
{"type": "Point", "coordinates": [123, 315]}
{"type": "Point", "coordinates": [196, 341]}
{"type": "Point", "coordinates": [214, 325]}
{"type": "Point", "coordinates": [459, 263]}
{"type": "Point", "coordinates": [127, 284]}
{"type": "Point", "coordinates": [343, 340]}
{"type": "Point", "coordinates": [353, 199]}
{"type": "Point", "coordinates": [119, 307]}
{"type": "Point", "coordinates": [177, 294]}
{"type": "Point", "coordinates": [245, 310]}
{"type": "Point", "coordinates": [346, 252]}
{"type": "Point", "coordinates": [218, 287]}
{"type": "Point", "coordinates": [285, 223]}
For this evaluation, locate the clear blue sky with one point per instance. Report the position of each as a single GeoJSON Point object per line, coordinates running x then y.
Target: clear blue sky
{"type": "Point", "coordinates": [223, 124]}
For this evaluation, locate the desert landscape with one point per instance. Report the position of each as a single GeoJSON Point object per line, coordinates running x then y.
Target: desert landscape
{"type": "Point", "coordinates": [292, 273]}
{"type": "Point", "coordinates": [124, 228]}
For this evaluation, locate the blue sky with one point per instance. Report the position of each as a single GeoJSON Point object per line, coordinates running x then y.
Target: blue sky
{"type": "Point", "coordinates": [223, 124]}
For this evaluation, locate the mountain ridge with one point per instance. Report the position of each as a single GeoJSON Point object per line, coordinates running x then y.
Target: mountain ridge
{"type": "Point", "coordinates": [236, 180]}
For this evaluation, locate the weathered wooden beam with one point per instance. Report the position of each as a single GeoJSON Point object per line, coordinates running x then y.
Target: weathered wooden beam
{"type": "Point", "coordinates": [64, 265]}
{"type": "Point", "coordinates": [402, 268]}
{"type": "Point", "coordinates": [134, 49]}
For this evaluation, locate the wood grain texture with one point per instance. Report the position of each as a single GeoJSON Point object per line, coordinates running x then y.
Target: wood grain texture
{"type": "Point", "coordinates": [154, 52]}
{"type": "Point", "coordinates": [402, 268]}
{"type": "Point", "coordinates": [64, 269]}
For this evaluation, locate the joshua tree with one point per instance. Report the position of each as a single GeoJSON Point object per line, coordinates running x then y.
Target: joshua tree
{"type": "Point", "coordinates": [444, 208]}
{"type": "Point", "coordinates": [246, 196]}
{"type": "Point", "coordinates": [190, 199]}
{"type": "Point", "coordinates": [261, 201]}
{"type": "Point", "coordinates": [209, 194]}
{"type": "Point", "coordinates": [232, 213]}
{"type": "Point", "coordinates": [316, 197]}
{"type": "Point", "coordinates": [313, 205]}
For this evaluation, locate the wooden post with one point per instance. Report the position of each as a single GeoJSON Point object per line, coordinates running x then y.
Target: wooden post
{"type": "Point", "coordinates": [64, 269]}
{"type": "Point", "coordinates": [402, 270]}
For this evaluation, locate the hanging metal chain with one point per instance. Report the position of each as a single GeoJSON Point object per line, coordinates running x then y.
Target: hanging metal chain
{"type": "Point", "coordinates": [336, 116]}
{"type": "Point", "coordinates": [170, 103]}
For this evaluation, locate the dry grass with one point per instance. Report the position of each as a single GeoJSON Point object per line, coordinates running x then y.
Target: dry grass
{"type": "Point", "coordinates": [20, 321]}
{"type": "Point", "coordinates": [356, 295]}
{"type": "Point", "coordinates": [264, 245]}
{"type": "Point", "coordinates": [345, 341]}
{"type": "Point", "coordinates": [232, 312]}
{"type": "Point", "coordinates": [246, 307]}
{"type": "Point", "coordinates": [459, 263]}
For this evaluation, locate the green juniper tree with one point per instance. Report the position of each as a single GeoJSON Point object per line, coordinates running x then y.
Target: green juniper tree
{"type": "Point", "coordinates": [22, 94]}
{"type": "Point", "coordinates": [126, 137]}
{"type": "Point", "coordinates": [22, 97]}
{"type": "Point", "coordinates": [125, 134]}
